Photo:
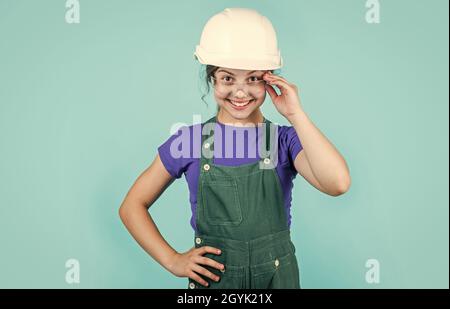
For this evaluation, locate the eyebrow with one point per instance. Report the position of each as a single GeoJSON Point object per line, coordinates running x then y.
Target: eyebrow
{"type": "Point", "coordinates": [222, 70]}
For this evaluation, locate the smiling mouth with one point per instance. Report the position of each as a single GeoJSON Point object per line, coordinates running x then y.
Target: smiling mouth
{"type": "Point", "coordinates": [240, 103]}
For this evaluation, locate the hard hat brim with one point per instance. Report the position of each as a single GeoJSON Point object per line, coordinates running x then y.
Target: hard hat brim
{"type": "Point", "coordinates": [269, 62]}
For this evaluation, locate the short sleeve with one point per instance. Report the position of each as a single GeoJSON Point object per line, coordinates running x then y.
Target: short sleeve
{"type": "Point", "coordinates": [289, 147]}
{"type": "Point", "coordinates": [294, 144]}
{"type": "Point", "coordinates": [171, 153]}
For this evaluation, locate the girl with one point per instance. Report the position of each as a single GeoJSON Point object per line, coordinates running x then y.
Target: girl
{"type": "Point", "coordinates": [240, 201]}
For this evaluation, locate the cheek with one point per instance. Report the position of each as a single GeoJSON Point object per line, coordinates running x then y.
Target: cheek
{"type": "Point", "coordinates": [259, 95]}
{"type": "Point", "coordinates": [220, 98]}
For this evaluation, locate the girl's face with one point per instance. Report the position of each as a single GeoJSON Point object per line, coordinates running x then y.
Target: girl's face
{"type": "Point", "coordinates": [239, 93]}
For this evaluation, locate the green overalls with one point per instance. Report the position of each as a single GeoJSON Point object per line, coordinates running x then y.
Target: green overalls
{"type": "Point", "coordinates": [240, 210]}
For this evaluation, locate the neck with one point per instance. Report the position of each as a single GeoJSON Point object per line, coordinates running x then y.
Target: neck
{"type": "Point", "coordinates": [254, 118]}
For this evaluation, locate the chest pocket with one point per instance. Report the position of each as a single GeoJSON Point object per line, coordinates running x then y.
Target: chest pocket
{"type": "Point", "coordinates": [221, 205]}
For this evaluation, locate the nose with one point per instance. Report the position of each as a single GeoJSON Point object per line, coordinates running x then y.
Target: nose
{"type": "Point", "coordinates": [240, 94]}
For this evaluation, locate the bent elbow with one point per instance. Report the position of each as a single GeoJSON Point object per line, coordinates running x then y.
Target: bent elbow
{"type": "Point", "coordinates": [342, 186]}
{"type": "Point", "coordinates": [122, 212]}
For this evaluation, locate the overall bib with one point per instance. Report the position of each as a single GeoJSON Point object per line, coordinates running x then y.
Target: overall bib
{"type": "Point", "coordinates": [240, 210]}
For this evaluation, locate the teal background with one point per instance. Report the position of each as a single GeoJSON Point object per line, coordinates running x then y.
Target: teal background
{"type": "Point", "coordinates": [83, 108]}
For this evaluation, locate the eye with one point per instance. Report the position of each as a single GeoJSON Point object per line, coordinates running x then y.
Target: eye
{"type": "Point", "coordinates": [254, 79]}
{"type": "Point", "coordinates": [227, 78]}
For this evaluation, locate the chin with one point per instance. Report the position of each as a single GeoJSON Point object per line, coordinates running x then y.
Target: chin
{"type": "Point", "coordinates": [241, 115]}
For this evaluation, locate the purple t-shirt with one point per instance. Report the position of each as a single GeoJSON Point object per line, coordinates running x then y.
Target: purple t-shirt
{"type": "Point", "coordinates": [180, 154]}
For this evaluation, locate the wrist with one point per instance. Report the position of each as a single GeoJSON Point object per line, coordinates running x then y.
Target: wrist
{"type": "Point", "coordinates": [172, 261]}
{"type": "Point", "coordinates": [297, 117]}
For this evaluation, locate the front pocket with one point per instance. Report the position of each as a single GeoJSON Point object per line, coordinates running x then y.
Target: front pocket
{"type": "Point", "coordinates": [221, 204]}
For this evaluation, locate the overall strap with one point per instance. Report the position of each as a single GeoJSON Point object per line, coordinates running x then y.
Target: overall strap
{"type": "Point", "coordinates": [207, 150]}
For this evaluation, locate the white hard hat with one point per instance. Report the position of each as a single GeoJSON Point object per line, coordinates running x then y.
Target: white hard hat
{"type": "Point", "coordinates": [239, 38]}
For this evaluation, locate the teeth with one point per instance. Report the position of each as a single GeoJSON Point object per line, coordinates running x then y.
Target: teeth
{"type": "Point", "coordinates": [239, 104]}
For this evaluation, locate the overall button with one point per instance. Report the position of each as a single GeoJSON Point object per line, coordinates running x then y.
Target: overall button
{"type": "Point", "coordinates": [266, 161]}
{"type": "Point", "coordinates": [198, 240]}
{"type": "Point", "coordinates": [206, 167]}
{"type": "Point", "coordinates": [277, 263]}
{"type": "Point", "coordinates": [192, 285]}
{"type": "Point", "coordinates": [206, 145]}
{"type": "Point", "coordinates": [222, 270]}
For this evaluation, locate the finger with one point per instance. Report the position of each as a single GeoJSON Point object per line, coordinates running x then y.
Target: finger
{"type": "Point", "coordinates": [272, 93]}
{"type": "Point", "coordinates": [272, 78]}
{"type": "Point", "coordinates": [267, 75]}
{"type": "Point", "coordinates": [208, 249]}
{"type": "Point", "coordinates": [289, 85]}
{"type": "Point", "coordinates": [197, 278]}
{"type": "Point", "coordinates": [270, 74]}
{"type": "Point", "coordinates": [203, 271]}
{"type": "Point", "coordinates": [280, 84]}
{"type": "Point", "coordinates": [283, 86]}
{"type": "Point", "coordinates": [210, 262]}
{"type": "Point", "coordinates": [279, 78]}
